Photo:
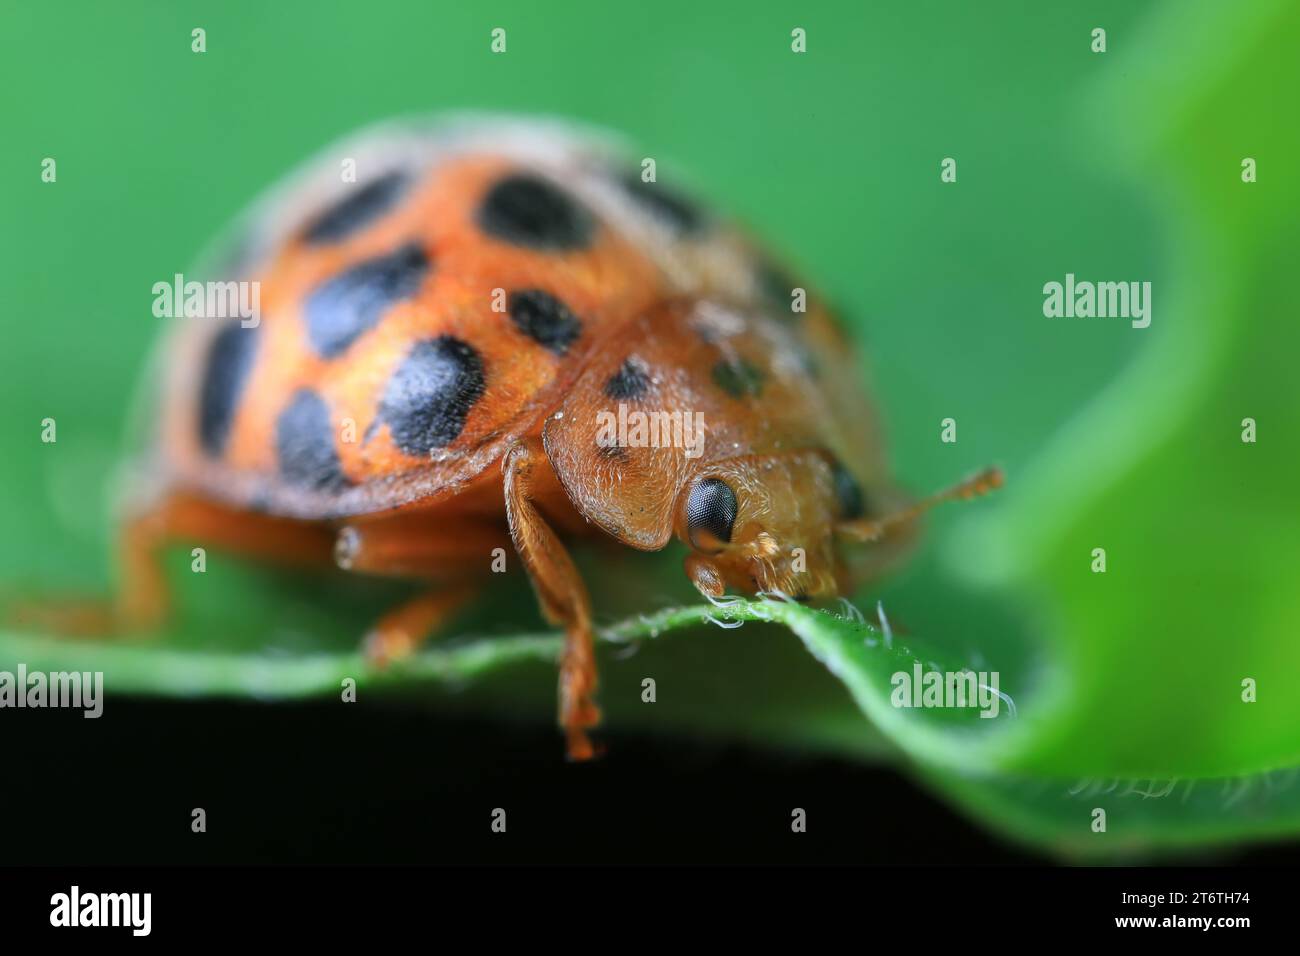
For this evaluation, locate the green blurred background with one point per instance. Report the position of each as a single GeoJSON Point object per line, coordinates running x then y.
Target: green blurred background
{"type": "Point", "coordinates": [1123, 165]}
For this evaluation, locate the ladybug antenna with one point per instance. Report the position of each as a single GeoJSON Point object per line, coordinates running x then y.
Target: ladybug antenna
{"type": "Point", "coordinates": [873, 529]}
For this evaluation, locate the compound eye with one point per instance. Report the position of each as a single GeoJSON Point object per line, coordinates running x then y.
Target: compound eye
{"type": "Point", "coordinates": [710, 513]}
{"type": "Point", "coordinates": [847, 492]}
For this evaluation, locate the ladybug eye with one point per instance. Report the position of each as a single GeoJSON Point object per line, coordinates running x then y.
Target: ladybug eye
{"type": "Point", "coordinates": [710, 513]}
{"type": "Point", "coordinates": [848, 493]}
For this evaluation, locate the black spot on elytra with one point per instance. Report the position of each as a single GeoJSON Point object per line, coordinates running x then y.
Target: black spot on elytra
{"type": "Point", "coordinates": [544, 319]}
{"type": "Point", "coordinates": [342, 308]}
{"type": "Point", "coordinates": [225, 371]}
{"type": "Point", "coordinates": [847, 492]}
{"type": "Point", "coordinates": [431, 393]}
{"type": "Point", "coordinates": [357, 210]}
{"type": "Point", "coordinates": [631, 381]}
{"type": "Point", "coordinates": [304, 443]}
{"type": "Point", "coordinates": [777, 287]}
{"type": "Point", "coordinates": [667, 204]}
{"type": "Point", "coordinates": [526, 210]}
{"type": "Point", "coordinates": [738, 378]}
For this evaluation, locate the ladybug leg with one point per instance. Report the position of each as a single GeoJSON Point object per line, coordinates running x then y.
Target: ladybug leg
{"type": "Point", "coordinates": [560, 591]}
{"type": "Point", "coordinates": [420, 546]}
{"type": "Point", "coordinates": [423, 547]}
{"type": "Point", "coordinates": [143, 599]}
{"type": "Point", "coordinates": [402, 630]}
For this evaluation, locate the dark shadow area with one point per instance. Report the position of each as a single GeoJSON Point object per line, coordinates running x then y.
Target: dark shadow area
{"type": "Point", "coordinates": [321, 783]}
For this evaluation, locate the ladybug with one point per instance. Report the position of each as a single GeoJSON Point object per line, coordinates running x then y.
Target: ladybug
{"type": "Point", "coordinates": [442, 344]}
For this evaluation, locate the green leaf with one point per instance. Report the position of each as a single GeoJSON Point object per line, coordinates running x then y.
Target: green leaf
{"type": "Point", "coordinates": [511, 676]}
{"type": "Point", "coordinates": [1201, 530]}
{"type": "Point", "coordinates": [1142, 816]}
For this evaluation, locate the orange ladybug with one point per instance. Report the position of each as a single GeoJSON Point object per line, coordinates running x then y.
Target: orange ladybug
{"type": "Point", "coordinates": [498, 333]}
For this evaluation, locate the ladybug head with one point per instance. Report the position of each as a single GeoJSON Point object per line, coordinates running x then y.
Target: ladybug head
{"type": "Point", "coordinates": [762, 523]}
{"type": "Point", "coordinates": [768, 524]}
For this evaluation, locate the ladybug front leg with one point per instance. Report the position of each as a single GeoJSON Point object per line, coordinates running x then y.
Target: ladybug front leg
{"type": "Point", "coordinates": [560, 591]}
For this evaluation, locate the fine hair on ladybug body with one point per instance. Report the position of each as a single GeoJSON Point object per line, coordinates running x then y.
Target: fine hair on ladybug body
{"type": "Point", "coordinates": [443, 343]}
